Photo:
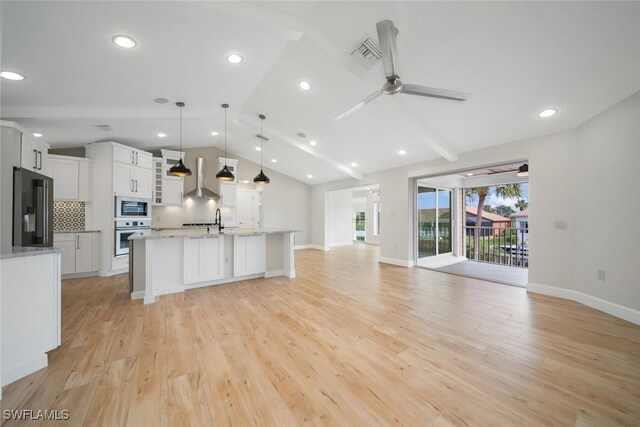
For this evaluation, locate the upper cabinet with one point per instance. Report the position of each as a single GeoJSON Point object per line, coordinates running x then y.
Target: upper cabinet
{"type": "Point", "coordinates": [71, 177]}
{"type": "Point", "coordinates": [228, 194]}
{"type": "Point", "coordinates": [168, 189]}
{"type": "Point", "coordinates": [34, 155]}
{"type": "Point", "coordinates": [132, 156]}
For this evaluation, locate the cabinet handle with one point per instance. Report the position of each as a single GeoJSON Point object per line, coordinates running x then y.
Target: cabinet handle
{"type": "Point", "coordinates": [136, 185]}
{"type": "Point", "coordinates": [131, 186]}
{"type": "Point", "coordinates": [136, 157]}
{"type": "Point", "coordinates": [131, 157]}
{"type": "Point", "coordinates": [40, 159]}
{"type": "Point", "coordinates": [35, 159]}
{"type": "Point", "coordinates": [77, 242]}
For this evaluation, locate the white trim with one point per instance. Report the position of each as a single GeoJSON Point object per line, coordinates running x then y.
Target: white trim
{"type": "Point", "coordinates": [103, 273]}
{"type": "Point", "coordinates": [275, 273]}
{"type": "Point", "coordinates": [335, 245]}
{"type": "Point", "coordinates": [79, 275]}
{"type": "Point", "coordinates": [605, 306]}
{"type": "Point", "coordinates": [438, 261]}
{"type": "Point", "coordinates": [149, 300]}
{"type": "Point", "coordinates": [300, 247]}
{"type": "Point", "coordinates": [311, 246]}
{"type": "Point", "coordinates": [167, 291]}
{"type": "Point", "coordinates": [395, 261]}
{"type": "Point", "coordinates": [24, 369]}
{"type": "Point", "coordinates": [222, 281]}
{"type": "Point", "coordinates": [137, 295]}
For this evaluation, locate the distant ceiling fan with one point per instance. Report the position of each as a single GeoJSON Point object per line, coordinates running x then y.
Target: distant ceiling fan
{"type": "Point", "coordinates": [387, 34]}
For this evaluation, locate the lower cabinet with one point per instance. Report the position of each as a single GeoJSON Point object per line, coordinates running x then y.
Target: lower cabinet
{"type": "Point", "coordinates": [80, 252]}
{"type": "Point", "coordinates": [249, 254]}
{"type": "Point", "coordinates": [203, 259]}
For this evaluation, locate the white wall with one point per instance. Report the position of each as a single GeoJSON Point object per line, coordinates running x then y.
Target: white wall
{"type": "Point", "coordinates": [285, 201]}
{"type": "Point", "coordinates": [340, 218]}
{"type": "Point", "coordinates": [588, 173]}
{"type": "Point", "coordinates": [370, 217]}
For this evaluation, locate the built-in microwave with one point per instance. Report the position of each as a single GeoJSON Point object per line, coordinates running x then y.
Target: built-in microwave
{"type": "Point", "coordinates": [130, 207]}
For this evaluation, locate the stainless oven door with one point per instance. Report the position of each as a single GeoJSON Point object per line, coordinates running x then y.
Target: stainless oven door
{"type": "Point", "coordinates": [122, 241]}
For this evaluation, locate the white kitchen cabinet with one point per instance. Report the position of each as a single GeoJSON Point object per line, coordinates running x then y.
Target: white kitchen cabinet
{"type": "Point", "coordinates": [79, 251]}
{"type": "Point", "coordinates": [168, 191]}
{"type": "Point", "coordinates": [131, 181]}
{"type": "Point", "coordinates": [34, 155]}
{"type": "Point", "coordinates": [228, 195]}
{"type": "Point", "coordinates": [248, 208]}
{"type": "Point", "coordinates": [132, 156]}
{"type": "Point", "coordinates": [248, 254]}
{"type": "Point", "coordinates": [71, 177]}
{"type": "Point", "coordinates": [203, 259]}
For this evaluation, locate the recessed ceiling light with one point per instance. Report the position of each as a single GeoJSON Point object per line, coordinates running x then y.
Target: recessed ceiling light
{"type": "Point", "coordinates": [301, 135]}
{"type": "Point", "coordinates": [124, 42]}
{"type": "Point", "coordinates": [468, 174]}
{"type": "Point", "coordinates": [37, 135]}
{"type": "Point", "coordinates": [214, 133]}
{"type": "Point", "coordinates": [274, 161]}
{"type": "Point", "coordinates": [161, 135]}
{"type": "Point", "coordinates": [11, 75]}
{"type": "Point", "coordinates": [354, 165]}
{"type": "Point", "coordinates": [161, 100]}
{"type": "Point", "coordinates": [244, 181]}
{"type": "Point", "coordinates": [547, 113]}
{"type": "Point", "coordinates": [313, 142]}
{"type": "Point", "coordinates": [234, 58]}
{"type": "Point", "coordinates": [258, 149]}
{"type": "Point", "coordinates": [402, 152]}
{"type": "Point", "coordinates": [304, 85]}
{"type": "Point", "coordinates": [309, 176]}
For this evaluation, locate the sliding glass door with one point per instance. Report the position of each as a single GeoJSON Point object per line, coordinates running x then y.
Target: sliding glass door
{"type": "Point", "coordinates": [433, 221]}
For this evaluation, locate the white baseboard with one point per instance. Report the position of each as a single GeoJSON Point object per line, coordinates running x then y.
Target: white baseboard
{"type": "Point", "coordinates": [335, 245]}
{"type": "Point", "coordinates": [274, 273]}
{"type": "Point", "coordinates": [395, 261]}
{"type": "Point", "coordinates": [103, 273]}
{"type": "Point", "coordinates": [149, 300]}
{"type": "Point", "coordinates": [79, 275]}
{"type": "Point", "coordinates": [316, 247]}
{"type": "Point", "coordinates": [137, 295]}
{"type": "Point", "coordinates": [24, 369]}
{"type": "Point", "coordinates": [608, 307]}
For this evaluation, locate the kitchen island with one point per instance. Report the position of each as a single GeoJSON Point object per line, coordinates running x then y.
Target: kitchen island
{"type": "Point", "coordinates": [171, 261]}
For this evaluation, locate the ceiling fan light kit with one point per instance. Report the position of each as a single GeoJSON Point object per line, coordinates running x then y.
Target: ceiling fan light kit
{"type": "Point", "coordinates": [225, 174]}
{"type": "Point", "coordinates": [180, 169]}
{"type": "Point", "coordinates": [387, 34]}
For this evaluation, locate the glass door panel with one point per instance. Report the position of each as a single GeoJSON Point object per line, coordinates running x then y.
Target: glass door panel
{"type": "Point", "coordinates": [444, 221]}
{"type": "Point", "coordinates": [426, 222]}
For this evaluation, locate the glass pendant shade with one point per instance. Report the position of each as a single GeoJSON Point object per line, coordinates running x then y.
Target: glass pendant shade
{"type": "Point", "coordinates": [261, 178]}
{"type": "Point", "coordinates": [225, 174]}
{"type": "Point", "coordinates": [179, 169]}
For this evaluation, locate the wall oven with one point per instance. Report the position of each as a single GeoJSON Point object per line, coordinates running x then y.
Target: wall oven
{"type": "Point", "coordinates": [130, 207]}
{"type": "Point", "coordinates": [124, 229]}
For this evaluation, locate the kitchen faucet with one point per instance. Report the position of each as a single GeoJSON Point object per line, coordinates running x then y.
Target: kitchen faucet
{"type": "Point", "coordinates": [218, 220]}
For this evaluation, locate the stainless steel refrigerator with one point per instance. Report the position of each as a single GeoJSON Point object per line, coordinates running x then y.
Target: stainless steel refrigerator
{"type": "Point", "coordinates": [32, 208]}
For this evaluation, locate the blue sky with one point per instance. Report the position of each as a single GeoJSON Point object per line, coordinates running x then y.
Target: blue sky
{"type": "Point", "coordinates": [427, 200]}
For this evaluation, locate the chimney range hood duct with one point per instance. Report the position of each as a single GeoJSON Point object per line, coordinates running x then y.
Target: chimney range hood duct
{"type": "Point", "coordinates": [200, 191]}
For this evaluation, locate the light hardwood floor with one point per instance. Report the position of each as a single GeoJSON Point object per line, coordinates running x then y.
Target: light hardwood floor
{"type": "Point", "coordinates": [349, 342]}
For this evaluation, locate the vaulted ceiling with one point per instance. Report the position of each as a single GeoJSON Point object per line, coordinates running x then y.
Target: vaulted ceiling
{"type": "Point", "coordinates": [513, 58]}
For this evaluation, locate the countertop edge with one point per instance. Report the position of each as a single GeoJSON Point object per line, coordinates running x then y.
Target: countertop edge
{"type": "Point", "coordinates": [25, 251]}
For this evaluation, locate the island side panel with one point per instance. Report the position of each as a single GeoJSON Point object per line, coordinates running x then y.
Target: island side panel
{"type": "Point", "coordinates": [288, 253]}
{"type": "Point", "coordinates": [275, 255]}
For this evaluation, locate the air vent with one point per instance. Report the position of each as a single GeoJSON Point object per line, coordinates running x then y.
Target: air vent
{"type": "Point", "coordinates": [103, 128]}
{"type": "Point", "coordinates": [367, 53]}
{"type": "Point", "coordinates": [262, 137]}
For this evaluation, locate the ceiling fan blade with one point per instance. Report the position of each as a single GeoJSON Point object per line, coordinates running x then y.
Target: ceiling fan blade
{"type": "Point", "coordinates": [359, 105]}
{"type": "Point", "coordinates": [433, 92]}
{"type": "Point", "coordinates": [387, 34]}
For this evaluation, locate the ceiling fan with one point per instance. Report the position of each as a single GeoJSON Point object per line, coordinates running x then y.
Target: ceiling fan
{"type": "Point", "coordinates": [387, 34]}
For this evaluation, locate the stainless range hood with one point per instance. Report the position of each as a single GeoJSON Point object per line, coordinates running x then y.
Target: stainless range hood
{"type": "Point", "coordinates": [200, 191]}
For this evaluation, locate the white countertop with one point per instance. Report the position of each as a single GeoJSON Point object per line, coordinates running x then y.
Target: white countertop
{"type": "Point", "coordinates": [21, 251]}
{"type": "Point", "coordinates": [75, 231]}
{"type": "Point", "coordinates": [199, 232]}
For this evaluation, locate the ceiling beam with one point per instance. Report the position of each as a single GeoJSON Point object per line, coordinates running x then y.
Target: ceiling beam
{"type": "Point", "coordinates": [247, 120]}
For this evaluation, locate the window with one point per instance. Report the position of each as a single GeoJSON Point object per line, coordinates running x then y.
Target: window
{"type": "Point", "coordinates": [376, 218]}
{"type": "Point", "coordinates": [359, 223]}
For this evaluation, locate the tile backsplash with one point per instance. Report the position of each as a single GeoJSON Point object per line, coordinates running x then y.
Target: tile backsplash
{"type": "Point", "coordinates": [68, 216]}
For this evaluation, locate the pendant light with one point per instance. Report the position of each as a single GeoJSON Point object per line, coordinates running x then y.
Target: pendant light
{"type": "Point", "coordinates": [225, 174]}
{"type": "Point", "coordinates": [179, 169]}
{"type": "Point", "coordinates": [523, 170]}
{"type": "Point", "coordinates": [261, 178]}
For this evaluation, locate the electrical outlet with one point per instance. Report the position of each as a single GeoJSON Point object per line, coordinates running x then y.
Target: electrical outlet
{"type": "Point", "coordinates": [601, 275]}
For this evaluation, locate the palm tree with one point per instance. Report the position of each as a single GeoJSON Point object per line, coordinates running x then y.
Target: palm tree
{"type": "Point", "coordinates": [507, 191]}
{"type": "Point", "coordinates": [522, 204]}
